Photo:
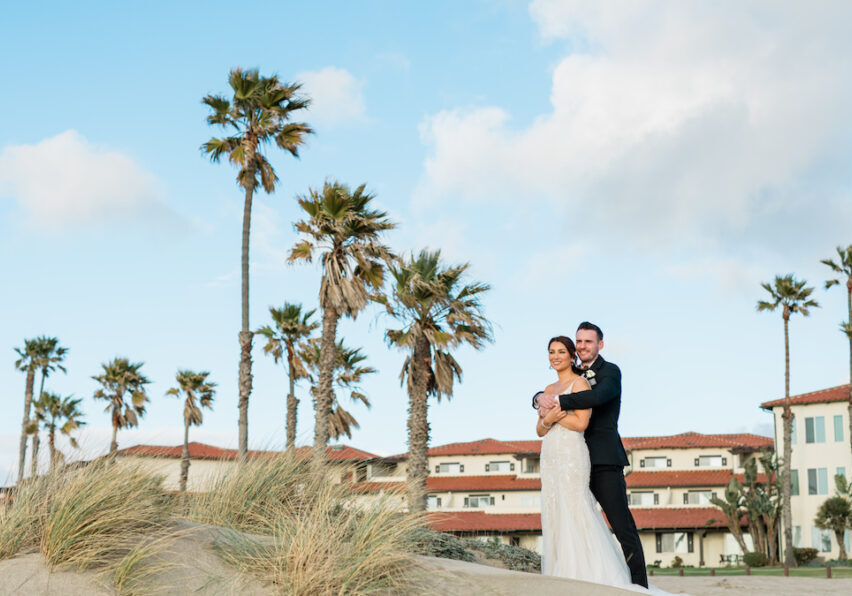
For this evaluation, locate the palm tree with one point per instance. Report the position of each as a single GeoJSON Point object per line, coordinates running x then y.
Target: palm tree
{"type": "Point", "coordinates": [49, 357]}
{"type": "Point", "coordinates": [292, 326]}
{"type": "Point", "coordinates": [58, 413]}
{"type": "Point", "coordinates": [843, 267]}
{"type": "Point", "coordinates": [26, 362]}
{"type": "Point", "coordinates": [346, 231]}
{"type": "Point", "coordinates": [121, 379]}
{"type": "Point", "coordinates": [258, 114]}
{"type": "Point", "coordinates": [835, 514]}
{"type": "Point", "coordinates": [438, 313]}
{"type": "Point", "coordinates": [732, 507]}
{"type": "Point", "coordinates": [198, 389]}
{"type": "Point", "coordinates": [348, 372]}
{"type": "Point", "coordinates": [793, 297]}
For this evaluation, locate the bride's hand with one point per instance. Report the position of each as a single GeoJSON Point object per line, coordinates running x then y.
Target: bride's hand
{"type": "Point", "coordinates": [554, 415]}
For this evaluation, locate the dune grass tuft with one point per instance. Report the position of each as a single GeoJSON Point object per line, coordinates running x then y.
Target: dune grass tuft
{"type": "Point", "coordinates": [316, 537]}
{"type": "Point", "coordinates": [100, 516]}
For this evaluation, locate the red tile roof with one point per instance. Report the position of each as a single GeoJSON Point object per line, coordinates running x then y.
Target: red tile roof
{"type": "Point", "coordinates": [645, 518]}
{"type": "Point", "coordinates": [681, 441]}
{"type": "Point", "coordinates": [650, 518]}
{"type": "Point", "coordinates": [472, 521]}
{"type": "Point", "coordinates": [839, 393]}
{"type": "Point", "coordinates": [203, 451]}
{"type": "Point", "coordinates": [458, 483]}
{"type": "Point", "coordinates": [644, 479]}
{"type": "Point", "coordinates": [691, 440]}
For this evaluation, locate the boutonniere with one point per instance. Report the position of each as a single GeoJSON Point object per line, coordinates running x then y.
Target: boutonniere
{"type": "Point", "coordinates": [589, 374]}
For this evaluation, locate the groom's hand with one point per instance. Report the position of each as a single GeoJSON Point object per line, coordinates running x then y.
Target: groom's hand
{"type": "Point", "coordinates": [546, 401]}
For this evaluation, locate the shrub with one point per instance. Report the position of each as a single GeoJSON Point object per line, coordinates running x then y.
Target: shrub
{"type": "Point", "coordinates": [677, 562]}
{"type": "Point", "coordinates": [440, 544]}
{"type": "Point", "coordinates": [755, 559]}
{"type": "Point", "coordinates": [805, 555]}
{"type": "Point", "coordinates": [656, 564]}
{"type": "Point", "coordinates": [515, 558]}
{"type": "Point", "coordinates": [838, 563]}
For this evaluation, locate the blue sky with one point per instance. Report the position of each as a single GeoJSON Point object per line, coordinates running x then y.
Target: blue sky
{"type": "Point", "coordinates": [641, 165]}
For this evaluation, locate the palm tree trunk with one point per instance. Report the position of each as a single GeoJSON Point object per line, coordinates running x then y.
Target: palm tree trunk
{"type": "Point", "coordinates": [28, 400]}
{"type": "Point", "coordinates": [838, 535]}
{"type": "Point", "coordinates": [292, 402]}
{"type": "Point", "coordinates": [34, 461]}
{"type": "Point", "coordinates": [771, 538]}
{"type": "Point", "coordinates": [245, 332]}
{"type": "Point", "coordinates": [51, 444]}
{"type": "Point", "coordinates": [418, 425]}
{"type": "Point", "coordinates": [325, 391]}
{"type": "Point", "coordinates": [184, 456]}
{"type": "Point", "coordinates": [113, 446]}
{"type": "Point", "coordinates": [786, 484]}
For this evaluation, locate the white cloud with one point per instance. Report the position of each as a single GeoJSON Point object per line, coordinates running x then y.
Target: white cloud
{"type": "Point", "coordinates": [67, 181]}
{"type": "Point", "coordinates": [336, 96]}
{"type": "Point", "coordinates": [674, 121]}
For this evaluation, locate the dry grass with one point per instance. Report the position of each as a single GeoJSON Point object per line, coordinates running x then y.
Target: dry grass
{"type": "Point", "coordinates": [320, 542]}
{"type": "Point", "coordinates": [100, 517]}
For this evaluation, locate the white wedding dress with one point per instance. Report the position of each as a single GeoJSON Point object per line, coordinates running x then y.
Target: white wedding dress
{"type": "Point", "coordinates": [576, 542]}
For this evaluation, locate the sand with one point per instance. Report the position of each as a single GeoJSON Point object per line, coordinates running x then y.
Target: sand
{"type": "Point", "coordinates": [190, 566]}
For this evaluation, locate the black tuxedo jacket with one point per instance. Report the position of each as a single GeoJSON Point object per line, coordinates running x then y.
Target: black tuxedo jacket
{"type": "Point", "coordinates": [604, 399]}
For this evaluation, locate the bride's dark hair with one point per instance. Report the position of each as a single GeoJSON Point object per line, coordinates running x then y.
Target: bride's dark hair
{"type": "Point", "coordinates": [572, 350]}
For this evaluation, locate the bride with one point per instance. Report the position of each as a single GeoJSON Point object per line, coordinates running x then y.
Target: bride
{"type": "Point", "coordinates": [576, 542]}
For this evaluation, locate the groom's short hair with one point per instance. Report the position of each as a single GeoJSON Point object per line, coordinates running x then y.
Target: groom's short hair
{"type": "Point", "coordinates": [591, 327]}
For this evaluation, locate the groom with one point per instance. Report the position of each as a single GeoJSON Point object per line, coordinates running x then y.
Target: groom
{"type": "Point", "coordinates": [605, 449]}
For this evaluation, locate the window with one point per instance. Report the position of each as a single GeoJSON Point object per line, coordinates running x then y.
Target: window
{"type": "Point", "coordinates": [711, 461]}
{"type": "Point", "coordinates": [532, 466]}
{"type": "Point", "coordinates": [655, 462]}
{"type": "Point", "coordinates": [644, 498]}
{"type": "Point", "coordinates": [478, 501]}
{"type": "Point", "coordinates": [794, 483]}
{"type": "Point", "coordinates": [793, 431]}
{"type": "Point", "coordinates": [698, 497]}
{"type": "Point", "coordinates": [515, 540]}
{"type": "Point", "coordinates": [838, 428]}
{"type": "Point", "coordinates": [817, 481]}
{"type": "Point", "coordinates": [675, 542]}
{"type": "Point", "coordinates": [449, 468]}
{"type": "Point", "coordinates": [500, 466]}
{"type": "Point", "coordinates": [433, 502]}
{"type": "Point", "coordinates": [531, 501]}
{"type": "Point", "coordinates": [797, 536]}
{"type": "Point", "coordinates": [815, 429]}
{"type": "Point", "coordinates": [821, 540]}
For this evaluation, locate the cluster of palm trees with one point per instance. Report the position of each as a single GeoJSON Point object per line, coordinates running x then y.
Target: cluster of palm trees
{"type": "Point", "coordinates": [791, 296]}
{"type": "Point", "coordinates": [435, 308]}
{"type": "Point", "coordinates": [122, 387]}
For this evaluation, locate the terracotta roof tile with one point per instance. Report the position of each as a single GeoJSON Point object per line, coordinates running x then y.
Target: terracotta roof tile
{"type": "Point", "coordinates": [692, 440]}
{"type": "Point", "coordinates": [662, 479]}
{"type": "Point", "coordinates": [839, 393]}
{"type": "Point", "coordinates": [645, 518]}
{"type": "Point", "coordinates": [204, 451]}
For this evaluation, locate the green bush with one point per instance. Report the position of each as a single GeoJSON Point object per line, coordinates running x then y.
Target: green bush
{"type": "Point", "coordinates": [805, 555]}
{"type": "Point", "coordinates": [677, 562]}
{"type": "Point", "coordinates": [440, 544]}
{"type": "Point", "coordinates": [515, 558]}
{"type": "Point", "coordinates": [755, 559]}
{"type": "Point", "coordinates": [838, 563]}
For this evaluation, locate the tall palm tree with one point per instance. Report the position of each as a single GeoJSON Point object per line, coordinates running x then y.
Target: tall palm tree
{"type": "Point", "coordinates": [199, 394]}
{"type": "Point", "coordinates": [438, 313]}
{"type": "Point", "coordinates": [49, 357]}
{"type": "Point", "coordinates": [27, 362]}
{"type": "Point", "coordinates": [843, 269]}
{"type": "Point", "coordinates": [792, 297]}
{"type": "Point", "coordinates": [121, 379]}
{"type": "Point", "coordinates": [348, 373]}
{"type": "Point", "coordinates": [346, 232]}
{"type": "Point", "coordinates": [292, 326]}
{"type": "Point", "coordinates": [259, 113]}
{"type": "Point", "coordinates": [58, 413]}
